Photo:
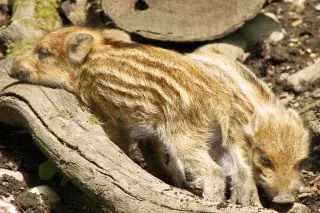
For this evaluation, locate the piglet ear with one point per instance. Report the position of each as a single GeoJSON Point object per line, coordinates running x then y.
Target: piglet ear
{"type": "Point", "coordinates": [80, 45]}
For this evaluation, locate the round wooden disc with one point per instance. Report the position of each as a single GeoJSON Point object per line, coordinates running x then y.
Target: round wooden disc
{"type": "Point", "coordinates": [181, 20]}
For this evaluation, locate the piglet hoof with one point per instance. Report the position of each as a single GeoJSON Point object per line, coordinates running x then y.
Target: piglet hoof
{"type": "Point", "coordinates": [209, 191]}
{"type": "Point", "coordinates": [195, 190]}
{"type": "Point", "coordinates": [214, 191]}
{"type": "Point", "coordinates": [250, 198]}
{"type": "Point", "coordinates": [217, 196]}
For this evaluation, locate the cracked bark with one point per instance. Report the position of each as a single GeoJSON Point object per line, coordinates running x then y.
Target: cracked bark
{"type": "Point", "coordinates": [82, 150]}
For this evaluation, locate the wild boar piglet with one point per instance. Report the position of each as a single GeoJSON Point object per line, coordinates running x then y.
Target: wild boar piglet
{"type": "Point", "coordinates": [206, 117]}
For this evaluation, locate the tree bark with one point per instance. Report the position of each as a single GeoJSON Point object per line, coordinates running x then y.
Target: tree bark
{"type": "Point", "coordinates": [69, 135]}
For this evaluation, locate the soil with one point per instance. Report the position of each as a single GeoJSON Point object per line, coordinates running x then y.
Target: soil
{"type": "Point", "coordinates": [299, 48]}
{"type": "Point", "coordinates": [18, 152]}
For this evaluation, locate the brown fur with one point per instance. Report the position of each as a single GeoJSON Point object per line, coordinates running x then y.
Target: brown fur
{"type": "Point", "coordinates": [207, 117]}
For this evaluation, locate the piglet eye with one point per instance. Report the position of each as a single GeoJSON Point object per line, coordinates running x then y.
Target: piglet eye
{"type": "Point", "coordinates": [44, 53]}
{"type": "Point", "coordinates": [265, 161]}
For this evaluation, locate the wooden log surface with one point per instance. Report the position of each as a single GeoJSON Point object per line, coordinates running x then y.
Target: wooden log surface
{"type": "Point", "coordinates": [66, 133]}
{"type": "Point", "coordinates": [181, 20]}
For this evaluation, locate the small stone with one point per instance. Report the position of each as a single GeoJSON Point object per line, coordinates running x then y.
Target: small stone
{"type": "Point", "coordinates": [305, 189]}
{"type": "Point", "coordinates": [317, 7]}
{"type": "Point", "coordinates": [48, 193]}
{"type": "Point", "coordinates": [296, 23]}
{"type": "Point", "coordinates": [295, 40]}
{"type": "Point", "coordinates": [282, 79]}
{"type": "Point", "coordinates": [306, 94]}
{"type": "Point", "coordinates": [301, 52]}
{"type": "Point", "coordinates": [285, 98]}
{"type": "Point", "coordinates": [6, 207]}
{"type": "Point", "coordinates": [271, 72]}
{"type": "Point", "coordinates": [294, 51]}
{"type": "Point", "coordinates": [313, 55]}
{"type": "Point", "coordinates": [310, 173]}
{"type": "Point", "coordinates": [299, 208]}
{"type": "Point", "coordinates": [263, 27]}
{"type": "Point", "coordinates": [316, 93]}
{"type": "Point", "coordinates": [304, 194]}
{"type": "Point", "coordinates": [298, 5]}
{"type": "Point", "coordinates": [308, 77]}
{"type": "Point", "coordinates": [309, 50]}
{"type": "Point", "coordinates": [9, 198]}
{"type": "Point", "coordinates": [17, 175]}
{"type": "Point", "coordinates": [233, 47]}
{"type": "Point", "coordinates": [295, 105]}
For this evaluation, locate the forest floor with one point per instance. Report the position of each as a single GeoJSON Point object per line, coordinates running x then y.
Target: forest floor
{"type": "Point", "coordinates": [299, 48]}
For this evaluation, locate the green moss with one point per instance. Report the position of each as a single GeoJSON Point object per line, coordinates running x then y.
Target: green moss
{"type": "Point", "coordinates": [45, 17]}
{"type": "Point", "coordinates": [64, 113]}
{"type": "Point", "coordinates": [215, 50]}
{"type": "Point", "coordinates": [18, 4]}
{"type": "Point", "coordinates": [46, 12]}
{"type": "Point", "coordinates": [20, 47]}
{"type": "Point", "coordinates": [94, 120]}
{"type": "Point", "coordinates": [28, 23]}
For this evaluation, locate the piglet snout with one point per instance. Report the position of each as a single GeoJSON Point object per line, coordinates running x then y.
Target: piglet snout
{"type": "Point", "coordinates": [17, 71]}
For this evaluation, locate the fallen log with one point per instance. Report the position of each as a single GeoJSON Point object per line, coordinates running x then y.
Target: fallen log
{"type": "Point", "coordinates": [69, 135]}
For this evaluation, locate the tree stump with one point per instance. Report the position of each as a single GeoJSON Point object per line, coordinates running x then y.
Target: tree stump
{"type": "Point", "coordinates": [181, 20]}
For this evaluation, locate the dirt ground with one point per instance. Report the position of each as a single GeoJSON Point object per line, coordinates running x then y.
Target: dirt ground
{"type": "Point", "coordinates": [19, 153]}
{"type": "Point", "coordinates": [299, 48]}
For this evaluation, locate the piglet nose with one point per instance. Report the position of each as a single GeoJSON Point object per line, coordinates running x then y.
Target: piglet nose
{"type": "Point", "coordinates": [284, 199]}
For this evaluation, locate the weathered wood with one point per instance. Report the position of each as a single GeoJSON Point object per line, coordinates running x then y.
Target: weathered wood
{"type": "Point", "coordinates": [181, 20]}
{"type": "Point", "coordinates": [67, 133]}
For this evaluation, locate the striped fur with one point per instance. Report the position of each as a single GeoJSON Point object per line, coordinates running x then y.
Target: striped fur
{"type": "Point", "coordinates": [207, 117]}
